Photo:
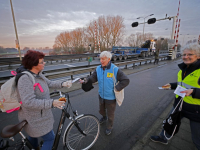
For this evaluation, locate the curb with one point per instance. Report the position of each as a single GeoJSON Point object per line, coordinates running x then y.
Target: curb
{"type": "Point", "coordinates": [139, 145]}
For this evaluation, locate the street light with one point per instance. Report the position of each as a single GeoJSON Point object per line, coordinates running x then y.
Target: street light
{"type": "Point", "coordinates": [144, 22]}
{"type": "Point", "coordinates": [17, 40]}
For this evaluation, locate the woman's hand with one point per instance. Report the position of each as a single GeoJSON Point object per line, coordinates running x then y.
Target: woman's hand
{"type": "Point", "coordinates": [58, 104]}
{"type": "Point", "coordinates": [67, 83]}
{"type": "Point", "coordinates": [188, 92]}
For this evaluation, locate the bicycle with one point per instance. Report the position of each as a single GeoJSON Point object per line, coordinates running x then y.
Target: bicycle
{"type": "Point", "coordinates": [81, 133]}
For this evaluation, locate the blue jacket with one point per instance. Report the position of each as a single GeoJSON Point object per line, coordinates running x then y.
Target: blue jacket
{"type": "Point", "coordinates": [106, 82]}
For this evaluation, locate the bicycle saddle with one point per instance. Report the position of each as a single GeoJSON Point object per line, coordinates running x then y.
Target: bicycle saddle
{"type": "Point", "coordinates": [12, 130]}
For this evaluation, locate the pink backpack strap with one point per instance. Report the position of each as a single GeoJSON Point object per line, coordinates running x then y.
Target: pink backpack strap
{"type": "Point", "coordinates": [13, 73]}
{"type": "Point", "coordinates": [39, 86]}
{"type": "Point", "coordinates": [14, 109]}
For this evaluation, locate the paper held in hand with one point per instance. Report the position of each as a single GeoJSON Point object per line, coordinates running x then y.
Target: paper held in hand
{"type": "Point", "coordinates": [179, 89]}
{"type": "Point", "coordinates": [75, 80]}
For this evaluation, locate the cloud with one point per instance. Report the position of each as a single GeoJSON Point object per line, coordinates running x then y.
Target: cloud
{"type": "Point", "coordinates": [56, 22]}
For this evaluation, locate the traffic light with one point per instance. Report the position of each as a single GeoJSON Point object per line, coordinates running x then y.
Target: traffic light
{"type": "Point", "coordinates": [134, 24]}
{"type": "Point", "coordinates": [151, 20]}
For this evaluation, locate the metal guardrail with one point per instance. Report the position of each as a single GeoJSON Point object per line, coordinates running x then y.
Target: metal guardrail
{"type": "Point", "coordinates": [16, 60]}
{"type": "Point", "coordinates": [57, 74]}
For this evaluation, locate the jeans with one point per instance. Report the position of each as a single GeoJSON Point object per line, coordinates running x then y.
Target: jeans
{"type": "Point", "coordinates": [48, 140]}
{"type": "Point", "coordinates": [195, 132]}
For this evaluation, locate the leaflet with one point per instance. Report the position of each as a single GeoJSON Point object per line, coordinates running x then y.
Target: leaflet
{"type": "Point", "coordinates": [179, 89]}
{"type": "Point", "coordinates": [75, 80]}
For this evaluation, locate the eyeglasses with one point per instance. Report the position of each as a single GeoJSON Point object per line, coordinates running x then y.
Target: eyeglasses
{"type": "Point", "coordinates": [189, 55]}
{"type": "Point", "coordinates": [41, 62]}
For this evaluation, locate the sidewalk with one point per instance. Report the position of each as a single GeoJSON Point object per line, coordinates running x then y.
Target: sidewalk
{"type": "Point", "coordinates": [181, 141]}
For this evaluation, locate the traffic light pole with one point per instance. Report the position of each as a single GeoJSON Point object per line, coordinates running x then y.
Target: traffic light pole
{"type": "Point", "coordinates": [172, 52]}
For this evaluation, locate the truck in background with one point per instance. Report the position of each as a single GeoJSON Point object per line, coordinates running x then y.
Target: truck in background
{"type": "Point", "coordinates": [123, 53]}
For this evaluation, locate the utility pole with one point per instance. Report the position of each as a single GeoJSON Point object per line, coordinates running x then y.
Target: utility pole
{"type": "Point", "coordinates": [17, 40]}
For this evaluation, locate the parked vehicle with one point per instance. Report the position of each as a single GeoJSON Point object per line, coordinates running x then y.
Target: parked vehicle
{"type": "Point", "coordinates": [124, 52]}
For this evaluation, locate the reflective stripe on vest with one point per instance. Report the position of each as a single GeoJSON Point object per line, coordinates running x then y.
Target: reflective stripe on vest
{"type": "Point", "coordinates": [190, 81]}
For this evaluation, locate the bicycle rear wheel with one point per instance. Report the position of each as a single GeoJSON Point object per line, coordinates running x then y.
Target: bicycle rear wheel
{"type": "Point", "coordinates": [75, 140]}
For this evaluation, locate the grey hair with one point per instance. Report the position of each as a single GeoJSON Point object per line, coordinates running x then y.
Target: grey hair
{"type": "Point", "coordinates": [193, 47]}
{"type": "Point", "coordinates": [106, 54]}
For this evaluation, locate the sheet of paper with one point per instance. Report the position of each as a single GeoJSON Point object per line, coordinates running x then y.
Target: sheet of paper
{"type": "Point", "coordinates": [179, 89]}
{"type": "Point", "coordinates": [75, 80]}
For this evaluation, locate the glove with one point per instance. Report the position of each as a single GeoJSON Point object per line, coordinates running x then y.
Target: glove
{"type": "Point", "coordinates": [67, 83]}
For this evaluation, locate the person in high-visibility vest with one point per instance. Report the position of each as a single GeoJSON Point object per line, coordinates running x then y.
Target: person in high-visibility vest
{"type": "Point", "coordinates": [189, 78]}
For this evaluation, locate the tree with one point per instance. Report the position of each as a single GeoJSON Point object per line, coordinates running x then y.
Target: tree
{"type": "Point", "coordinates": [131, 40]}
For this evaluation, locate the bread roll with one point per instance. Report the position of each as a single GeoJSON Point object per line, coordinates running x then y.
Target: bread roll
{"type": "Point", "coordinates": [62, 99]}
{"type": "Point", "coordinates": [166, 86]}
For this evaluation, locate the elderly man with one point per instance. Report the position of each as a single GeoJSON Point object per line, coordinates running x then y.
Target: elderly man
{"type": "Point", "coordinates": [104, 75]}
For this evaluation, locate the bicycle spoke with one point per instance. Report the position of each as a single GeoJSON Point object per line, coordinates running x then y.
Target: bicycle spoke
{"type": "Point", "coordinates": [76, 140]}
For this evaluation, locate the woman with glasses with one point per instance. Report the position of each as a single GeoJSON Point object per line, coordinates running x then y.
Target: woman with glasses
{"type": "Point", "coordinates": [36, 102]}
{"type": "Point", "coordinates": [189, 78]}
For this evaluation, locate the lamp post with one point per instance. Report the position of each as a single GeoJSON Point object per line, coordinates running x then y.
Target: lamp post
{"type": "Point", "coordinates": [17, 40]}
{"type": "Point", "coordinates": [144, 22]}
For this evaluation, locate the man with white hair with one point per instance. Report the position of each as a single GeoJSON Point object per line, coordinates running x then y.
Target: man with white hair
{"type": "Point", "coordinates": [104, 75]}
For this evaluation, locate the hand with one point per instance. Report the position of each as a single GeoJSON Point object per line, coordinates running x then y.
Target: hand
{"type": "Point", "coordinates": [81, 81]}
{"type": "Point", "coordinates": [188, 92]}
{"type": "Point", "coordinates": [67, 84]}
{"type": "Point", "coordinates": [58, 104]}
{"type": "Point", "coordinates": [166, 86]}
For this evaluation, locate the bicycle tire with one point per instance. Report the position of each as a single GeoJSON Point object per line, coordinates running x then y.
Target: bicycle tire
{"type": "Point", "coordinates": [18, 145]}
{"type": "Point", "coordinates": [75, 140]}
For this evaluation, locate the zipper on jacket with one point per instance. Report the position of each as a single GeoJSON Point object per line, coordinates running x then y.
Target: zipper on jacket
{"type": "Point", "coordinates": [41, 112]}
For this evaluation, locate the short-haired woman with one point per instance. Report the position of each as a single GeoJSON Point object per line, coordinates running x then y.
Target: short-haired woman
{"type": "Point", "coordinates": [189, 78]}
{"type": "Point", "coordinates": [36, 102]}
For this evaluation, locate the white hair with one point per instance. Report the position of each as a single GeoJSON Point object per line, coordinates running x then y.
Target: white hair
{"type": "Point", "coordinates": [106, 54]}
{"type": "Point", "coordinates": [193, 47]}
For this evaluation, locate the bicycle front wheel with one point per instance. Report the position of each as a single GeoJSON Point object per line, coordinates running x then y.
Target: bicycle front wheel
{"type": "Point", "coordinates": [75, 140]}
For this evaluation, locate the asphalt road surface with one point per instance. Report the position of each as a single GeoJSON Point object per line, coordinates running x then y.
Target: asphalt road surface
{"type": "Point", "coordinates": [143, 103]}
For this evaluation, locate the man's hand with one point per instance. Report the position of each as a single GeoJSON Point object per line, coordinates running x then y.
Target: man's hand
{"type": "Point", "coordinates": [188, 92]}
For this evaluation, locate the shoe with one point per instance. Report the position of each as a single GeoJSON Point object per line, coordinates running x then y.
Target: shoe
{"type": "Point", "coordinates": [103, 119]}
{"type": "Point", "coordinates": [108, 131]}
{"type": "Point", "coordinates": [158, 139]}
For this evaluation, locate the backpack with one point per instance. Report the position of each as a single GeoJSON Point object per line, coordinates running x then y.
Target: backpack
{"type": "Point", "coordinates": [9, 97]}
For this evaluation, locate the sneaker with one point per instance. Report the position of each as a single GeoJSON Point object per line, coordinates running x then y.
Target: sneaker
{"type": "Point", "coordinates": [159, 139]}
{"type": "Point", "coordinates": [108, 131]}
{"type": "Point", "coordinates": [103, 119]}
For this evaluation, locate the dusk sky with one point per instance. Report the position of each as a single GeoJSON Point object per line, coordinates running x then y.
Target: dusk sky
{"type": "Point", "coordinates": [40, 21]}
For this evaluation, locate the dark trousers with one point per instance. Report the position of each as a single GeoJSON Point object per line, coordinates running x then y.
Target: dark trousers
{"type": "Point", "coordinates": [156, 61]}
{"type": "Point", "coordinates": [107, 108]}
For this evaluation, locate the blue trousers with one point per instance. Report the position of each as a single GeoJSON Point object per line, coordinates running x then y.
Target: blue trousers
{"type": "Point", "coordinates": [195, 131]}
{"type": "Point", "coordinates": [48, 140]}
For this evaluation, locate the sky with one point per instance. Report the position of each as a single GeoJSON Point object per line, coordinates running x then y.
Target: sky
{"type": "Point", "coordinates": [40, 21]}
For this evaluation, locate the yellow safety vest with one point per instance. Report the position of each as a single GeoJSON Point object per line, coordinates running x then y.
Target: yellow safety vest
{"type": "Point", "coordinates": [190, 81]}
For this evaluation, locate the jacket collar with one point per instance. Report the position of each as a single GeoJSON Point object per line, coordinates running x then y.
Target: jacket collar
{"type": "Point", "coordinates": [192, 67]}
{"type": "Point", "coordinates": [108, 65]}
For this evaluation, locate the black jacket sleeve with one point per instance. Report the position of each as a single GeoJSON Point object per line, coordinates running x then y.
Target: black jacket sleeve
{"type": "Point", "coordinates": [93, 77]}
{"type": "Point", "coordinates": [196, 93]}
{"type": "Point", "coordinates": [123, 80]}
{"type": "Point", "coordinates": [173, 85]}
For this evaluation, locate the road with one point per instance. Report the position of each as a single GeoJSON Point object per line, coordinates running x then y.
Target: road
{"type": "Point", "coordinates": [143, 103]}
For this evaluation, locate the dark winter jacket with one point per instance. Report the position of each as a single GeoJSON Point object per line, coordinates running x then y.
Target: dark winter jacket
{"type": "Point", "coordinates": [189, 111]}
